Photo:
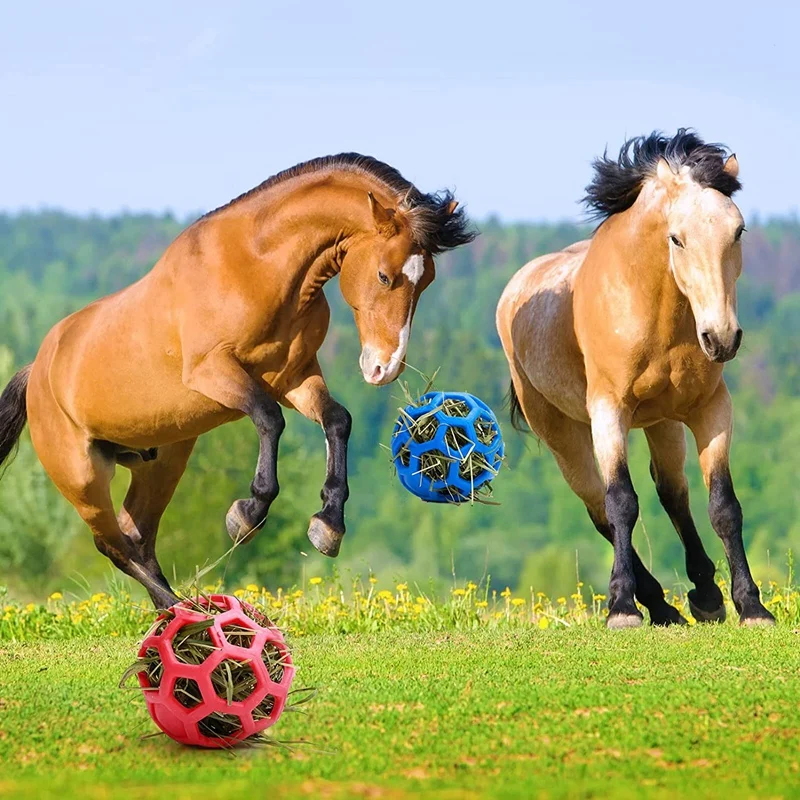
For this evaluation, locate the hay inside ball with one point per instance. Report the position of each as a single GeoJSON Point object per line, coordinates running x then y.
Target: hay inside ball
{"type": "Point", "coordinates": [447, 448]}
{"type": "Point", "coordinates": [214, 672]}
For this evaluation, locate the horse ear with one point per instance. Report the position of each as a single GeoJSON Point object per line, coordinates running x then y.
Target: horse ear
{"type": "Point", "coordinates": [384, 217]}
{"type": "Point", "coordinates": [664, 171]}
{"type": "Point", "coordinates": [451, 207]}
{"type": "Point", "coordinates": [732, 166]}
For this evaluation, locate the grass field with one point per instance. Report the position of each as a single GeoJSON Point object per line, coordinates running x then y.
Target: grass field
{"type": "Point", "coordinates": [562, 712]}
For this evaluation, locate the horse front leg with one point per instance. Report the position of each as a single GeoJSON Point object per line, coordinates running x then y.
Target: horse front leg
{"type": "Point", "coordinates": [610, 426]}
{"type": "Point", "coordinates": [221, 378]}
{"type": "Point", "coordinates": [712, 426]}
{"type": "Point", "coordinates": [313, 400]}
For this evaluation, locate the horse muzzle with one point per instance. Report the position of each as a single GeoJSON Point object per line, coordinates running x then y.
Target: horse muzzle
{"type": "Point", "coordinates": [376, 370]}
{"type": "Point", "coordinates": [720, 348]}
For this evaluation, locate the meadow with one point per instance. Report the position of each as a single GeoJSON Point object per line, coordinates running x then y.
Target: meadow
{"type": "Point", "coordinates": [476, 694]}
{"type": "Point", "coordinates": [505, 686]}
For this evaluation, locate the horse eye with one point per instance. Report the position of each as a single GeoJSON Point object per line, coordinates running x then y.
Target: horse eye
{"type": "Point", "coordinates": [676, 241]}
{"type": "Point", "coordinates": [739, 233]}
{"type": "Point", "coordinates": [384, 279]}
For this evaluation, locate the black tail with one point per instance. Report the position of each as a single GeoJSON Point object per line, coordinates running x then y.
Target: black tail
{"type": "Point", "coordinates": [518, 421]}
{"type": "Point", "coordinates": [13, 413]}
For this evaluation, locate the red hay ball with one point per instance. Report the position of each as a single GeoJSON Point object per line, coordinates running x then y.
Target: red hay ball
{"type": "Point", "coordinates": [189, 722]}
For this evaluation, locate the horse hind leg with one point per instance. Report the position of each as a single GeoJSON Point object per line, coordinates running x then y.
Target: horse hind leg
{"type": "Point", "coordinates": [153, 483]}
{"type": "Point", "coordinates": [667, 443]}
{"type": "Point", "coordinates": [82, 471]}
{"type": "Point", "coordinates": [570, 442]}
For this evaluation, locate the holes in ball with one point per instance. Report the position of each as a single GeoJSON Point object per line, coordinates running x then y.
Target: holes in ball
{"type": "Point", "coordinates": [187, 692]}
{"type": "Point", "coordinates": [192, 644]}
{"type": "Point", "coordinates": [238, 635]}
{"type": "Point", "coordinates": [159, 627]}
{"type": "Point", "coordinates": [233, 681]}
{"type": "Point", "coordinates": [274, 659]}
{"type": "Point", "coordinates": [424, 428]}
{"type": "Point", "coordinates": [264, 708]}
{"type": "Point", "coordinates": [154, 671]}
{"type": "Point", "coordinates": [220, 726]}
{"type": "Point", "coordinates": [456, 408]}
{"type": "Point", "coordinates": [485, 430]}
{"type": "Point", "coordinates": [434, 465]}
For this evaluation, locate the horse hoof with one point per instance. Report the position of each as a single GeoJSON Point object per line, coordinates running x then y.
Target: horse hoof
{"type": "Point", "coordinates": [619, 621]}
{"type": "Point", "coordinates": [704, 615]}
{"type": "Point", "coordinates": [324, 538]}
{"type": "Point", "coordinates": [758, 622]}
{"type": "Point", "coordinates": [669, 616]}
{"type": "Point", "coordinates": [239, 528]}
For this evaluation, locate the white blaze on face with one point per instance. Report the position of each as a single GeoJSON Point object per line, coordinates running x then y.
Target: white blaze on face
{"type": "Point", "coordinates": [402, 345]}
{"type": "Point", "coordinates": [414, 267]}
{"type": "Point", "coordinates": [374, 371]}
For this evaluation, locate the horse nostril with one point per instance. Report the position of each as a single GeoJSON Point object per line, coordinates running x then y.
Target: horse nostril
{"type": "Point", "coordinates": [377, 373]}
{"type": "Point", "coordinates": [737, 339]}
{"type": "Point", "coordinates": [708, 341]}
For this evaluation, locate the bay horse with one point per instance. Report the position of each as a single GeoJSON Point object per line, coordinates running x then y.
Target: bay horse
{"type": "Point", "coordinates": [631, 329]}
{"type": "Point", "coordinates": [228, 324]}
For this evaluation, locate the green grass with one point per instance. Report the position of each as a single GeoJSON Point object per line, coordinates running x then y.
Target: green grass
{"type": "Point", "coordinates": [706, 711]}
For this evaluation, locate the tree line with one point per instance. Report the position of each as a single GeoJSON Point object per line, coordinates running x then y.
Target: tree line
{"type": "Point", "coordinates": [52, 263]}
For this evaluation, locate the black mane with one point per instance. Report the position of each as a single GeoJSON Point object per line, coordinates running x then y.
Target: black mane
{"type": "Point", "coordinates": [434, 228]}
{"type": "Point", "coordinates": [617, 184]}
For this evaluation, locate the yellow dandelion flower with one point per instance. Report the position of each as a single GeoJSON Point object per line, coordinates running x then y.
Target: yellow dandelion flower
{"type": "Point", "coordinates": [402, 587]}
{"type": "Point", "coordinates": [471, 587]}
{"type": "Point", "coordinates": [30, 607]}
{"type": "Point", "coordinates": [506, 592]}
{"type": "Point", "coordinates": [562, 601]}
{"type": "Point", "coordinates": [315, 581]}
{"type": "Point", "coordinates": [599, 598]}
{"type": "Point", "coordinates": [422, 599]}
{"type": "Point", "coordinates": [298, 594]}
{"type": "Point", "coordinates": [373, 580]}
{"type": "Point", "coordinates": [56, 596]}
{"type": "Point", "coordinates": [482, 604]}
{"type": "Point", "coordinates": [459, 592]}
{"type": "Point", "coordinates": [239, 593]}
{"type": "Point", "coordinates": [251, 587]}
{"type": "Point", "coordinates": [417, 608]}
{"type": "Point", "coordinates": [385, 595]}
{"type": "Point", "coordinates": [517, 601]}
{"type": "Point", "coordinates": [96, 598]}
{"type": "Point", "coordinates": [544, 623]}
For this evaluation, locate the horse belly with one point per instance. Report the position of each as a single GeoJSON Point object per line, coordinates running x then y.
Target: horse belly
{"type": "Point", "coordinates": [119, 378]}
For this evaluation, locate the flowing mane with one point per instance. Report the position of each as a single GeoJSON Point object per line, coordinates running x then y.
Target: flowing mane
{"type": "Point", "coordinates": [434, 228]}
{"type": "Point", "coordinates": [617, 184]}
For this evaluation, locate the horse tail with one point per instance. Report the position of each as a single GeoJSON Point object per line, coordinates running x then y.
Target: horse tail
{"type": "Point", "coordinates": [13, 413]}
{"type": "Point", "coordinates": [518, 421]}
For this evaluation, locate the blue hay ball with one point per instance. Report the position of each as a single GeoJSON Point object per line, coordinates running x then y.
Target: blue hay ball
{"type": "Point", "coordinates": [406, 452]}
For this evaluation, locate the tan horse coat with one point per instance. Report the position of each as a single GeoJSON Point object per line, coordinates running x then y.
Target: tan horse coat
{"type": "Point", "coordinates": [629, 330]}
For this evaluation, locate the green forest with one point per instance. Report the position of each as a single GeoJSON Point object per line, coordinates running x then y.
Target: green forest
{"type": "Point", "coordinates": [52, 263]}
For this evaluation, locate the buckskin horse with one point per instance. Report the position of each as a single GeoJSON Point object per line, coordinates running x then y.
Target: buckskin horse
{"type": "Point", "coordinates": [228, 324]}
{"type": "Point", "coordinates": [630, 330]}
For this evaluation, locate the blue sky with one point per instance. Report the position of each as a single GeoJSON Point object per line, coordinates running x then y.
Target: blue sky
{"type": "Point", "coordinates": [181, 106]}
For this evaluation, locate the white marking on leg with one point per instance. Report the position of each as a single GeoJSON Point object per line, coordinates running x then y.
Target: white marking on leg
{"type": "Point", "coordinates": [609, 437]}
{"type": "Point", "coordinates": [414, 267]}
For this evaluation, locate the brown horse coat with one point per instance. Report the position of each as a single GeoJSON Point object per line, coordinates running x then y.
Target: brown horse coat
{"type": "Point", "coordinates": [228, 324]}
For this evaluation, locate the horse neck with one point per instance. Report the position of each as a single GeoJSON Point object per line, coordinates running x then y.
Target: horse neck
{"type": "Point", "coordinates": [311, 220]}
